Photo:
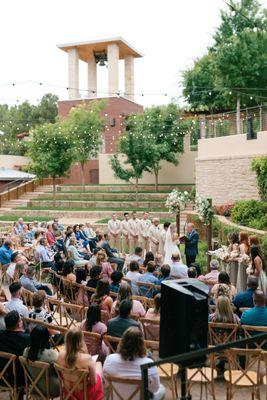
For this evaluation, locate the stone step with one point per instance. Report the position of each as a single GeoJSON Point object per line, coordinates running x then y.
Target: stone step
{"type": "Point", "coordinates": [97, 204]}
{"type": "Point", "coordinates": [122, 188]}
{"type": "Point", "coordinates": [105, 196]}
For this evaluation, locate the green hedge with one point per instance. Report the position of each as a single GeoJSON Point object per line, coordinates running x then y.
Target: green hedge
{"type": "Point", "coordinates": [250, 213]}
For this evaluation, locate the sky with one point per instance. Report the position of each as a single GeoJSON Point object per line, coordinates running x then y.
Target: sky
{"type": "Point", "coordinates": [170, 34]}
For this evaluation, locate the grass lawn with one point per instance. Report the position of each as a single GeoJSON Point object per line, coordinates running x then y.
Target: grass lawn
{"type": "Point", "coordinates": [127, 184]}
{"type": "Point", "coordinates": [13, 218]}
{"type": "Point", "coordinates": [159, 209]}
{"type": "Point", "coordinates": [108, 200]}
{"type": "Point", "coordinates": [113, 191]}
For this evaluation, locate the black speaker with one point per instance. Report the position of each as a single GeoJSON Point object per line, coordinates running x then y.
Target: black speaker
{"type": "Point", "coordinates": [183, 318]}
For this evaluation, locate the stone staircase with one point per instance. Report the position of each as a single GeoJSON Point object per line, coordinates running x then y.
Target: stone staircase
{"type": "Point", "coordinates": [24, 200]}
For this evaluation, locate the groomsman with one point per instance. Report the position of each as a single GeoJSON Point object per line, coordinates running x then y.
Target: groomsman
{"type": "Point", "coordinates": [134, 232]}
{"type": "Point", "coordinates": [114, 228]}
{"type": "Point", "coordinates": [154, 236]}
{"type": "Point", "coordinates": [125, 233]}
{"type": "Point", "coordinates": [144, 225]}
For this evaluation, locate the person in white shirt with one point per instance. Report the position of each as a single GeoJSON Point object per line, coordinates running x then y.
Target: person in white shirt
{"type": "Point", "coordinates": [144, 225]}
{"type": "Point", "coordinates": [133, 232]}
{"type": "Point", "coordinates": [16, 303]}
{"type": "Point", "coordinates": [162, 238]}
{"type": "Point", "coordinates": [126, 364]}
{"type": "Point", "coordinates": [114, 228]}
{"type": "Point", "coordinates": [178, 269]}
{"type": "Point", "coordinates": [125, 233]}
{"type": "Point", "coordinates": [134, 276]}
{"type": "Point", "coordinates": [154, 236]}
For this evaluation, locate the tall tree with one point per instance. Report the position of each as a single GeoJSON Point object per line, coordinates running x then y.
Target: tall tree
{"type": "Point", "coordinates": [86, 125]}
{"type": "Point", "coordinates": [51, 152]}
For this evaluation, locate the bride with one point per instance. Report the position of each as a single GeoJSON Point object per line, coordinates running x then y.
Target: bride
{"type": "Point", "coordinates": [171, 244]}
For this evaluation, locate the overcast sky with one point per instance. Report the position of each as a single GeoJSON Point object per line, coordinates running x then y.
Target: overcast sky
{"type": "Point", "coordinates": [170, 34]}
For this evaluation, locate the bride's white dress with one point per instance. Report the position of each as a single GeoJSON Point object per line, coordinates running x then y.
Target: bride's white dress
{"type": "Point", "coordinates": [170, 248]}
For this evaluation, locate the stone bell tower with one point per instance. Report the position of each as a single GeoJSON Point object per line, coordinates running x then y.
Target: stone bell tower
{"type": "Point", "coordinates": [94, 52]}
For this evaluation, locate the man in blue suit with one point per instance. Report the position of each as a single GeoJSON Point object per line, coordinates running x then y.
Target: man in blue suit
{"type": "Point", "coordinates": [112, 253]}
{"type": "Point", "coordinates": [191, 244]}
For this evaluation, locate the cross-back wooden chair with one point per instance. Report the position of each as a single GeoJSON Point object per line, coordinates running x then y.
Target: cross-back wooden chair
{"type": "Point", "coordinates": [203, 375]}
{"type": "Point", "coordinates": [250, 331]}
{"type": "Point", "coordinates": [111, 342]}
{"type": "Point", "coordinates": [67, 391]}
{"type": "Point", "coordinates": [150, 328]}
{"type": "Point", "coordinates": [89, 291]}
{"type": "Point", "coordinates": [8, 377]}
{"type": "Point", "coordinates": [55, 310]}
{"type": "Point", "coordinates": [143, 300]}
{"type": "Point", "coordinates": [146, 289]}
{"type": "Point", "coordinates": [68, 291]}
{"type": "Point", "coordinates": [71, 314]}
{"type": "Point", "coordinates": [220, 333]}
{"type": "Point", "coordinates": [93, 342]}
{"type": "Point", "coordinates": [239, 376]}
{"type": "Point", "coordinates": [168, 374]}
{"type": "Point", "coordinates": [32, 384]}
{"type": "Point", "coordinates": [133, 386]}
{"type": "Point", "coordinates": [27, 298]}
{"type": "Point", "coordinates": [81, 294]}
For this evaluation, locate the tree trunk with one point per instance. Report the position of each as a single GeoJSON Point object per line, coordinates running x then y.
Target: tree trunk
{"type": "Point", "coordinates": [54, 191]}
{"type": "Point", "coordinates": [83, 179]}
{"type": "Point", "coordinates": [238, 130]}
{"type": "Point", "coordinates": [136, 191]}
{"type": "Point", "coordinates": [156, 173]}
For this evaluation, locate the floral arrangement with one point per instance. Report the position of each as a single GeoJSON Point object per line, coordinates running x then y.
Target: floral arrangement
{"type": "Point", "coordinates": [176, 201]}
{"type": "Point", "coordinates": [221, 253]}
{"type": "Point", "coordinates": [244, 259]}
{"type": "Point", "coordinates": [204, 209]}
{"type": "Point", "coordinates": [234, 255]}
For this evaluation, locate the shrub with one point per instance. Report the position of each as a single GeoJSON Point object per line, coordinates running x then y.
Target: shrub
{"type": "Point", "coordinates": [249, 213]}
{"type": "Point", "coordinates": [224, 209]}
{"type": "Point", "coordinates": [259, 165]}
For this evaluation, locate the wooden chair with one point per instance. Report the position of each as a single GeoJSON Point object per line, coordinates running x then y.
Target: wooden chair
{"type": "Point", "coordinates": [68, 291]}
{"type": "Point", "coordinates": [146, 289]}
{"type": "Point", "coordinates": [250, 331]}
{"type": "Point", "coordinates": [71, 314]}
{"type": "Point", "coordinates": [32, 384]}
{"type": "Point", "coordinates": [168, 375]}
{"type": "Point", "coordinates": [143, 300]}
{"type": "Point", "coordinates": [220, 333]}
{"type": "Point", "coordinates": [27, 298]}
{"type": "Point", "coordinates": [151, 328]}
{"type": "Point", "coordinates": [239, 376]}
{"type": "Point", "coordinates": [133, 385]}
{"type": "Point", "coordinates": [111, 342]}
{"type": "Point", "coordinates": [8, 377]}
{"type": "Point", "coordinates": [203, 375]}
{"type": "Point", "coordinates": [67, 392]}
{"type": "Point", "coordinates": [93, 342]}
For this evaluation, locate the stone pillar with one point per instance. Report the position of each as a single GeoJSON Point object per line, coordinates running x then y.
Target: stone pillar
{"type": "Point", "coordinates": [73, 74]}
{"type": "Point", "coordinates": [91, 78]}
{"type": "Point", "coordinates": [129, 77]}
{"type": "Point", "coordinates": [113, 69]}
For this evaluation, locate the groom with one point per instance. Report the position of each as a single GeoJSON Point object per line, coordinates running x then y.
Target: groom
{"type": "Point", "coordinates": [191, 244]}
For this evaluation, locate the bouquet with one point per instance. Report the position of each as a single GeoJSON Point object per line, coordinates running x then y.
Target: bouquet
{"type": "Point", "coordinates": [176, 201]}
{"type": "Point", "coordinates": [221, 253]}
{"type": "Point", "coordinates": [234, 255]}
{"type": "Point", "coordinates": [204, 210]}
{"type": "Point", "coordinates": [244, 259]}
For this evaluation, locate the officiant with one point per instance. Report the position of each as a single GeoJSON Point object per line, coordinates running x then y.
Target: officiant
{"type": "Point", "coordinates": [191, 244]}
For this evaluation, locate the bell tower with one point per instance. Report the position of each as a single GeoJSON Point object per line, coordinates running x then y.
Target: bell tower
{"type": "Point", "coordinates": [101, 52]}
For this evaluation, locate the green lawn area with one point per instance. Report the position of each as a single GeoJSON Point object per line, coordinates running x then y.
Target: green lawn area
{"type": "Point", "coordinates": [113, 191]}
{"type": "Point", "coordinates": [127, 184]}
{"type": "Point", "coordinates": [108, 199]}
{"type": "Point", "coordinates": [159, 209]}
{"type": "Point", "coordinates": [12, 218]}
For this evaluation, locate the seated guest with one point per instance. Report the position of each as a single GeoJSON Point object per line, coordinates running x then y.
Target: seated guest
{"type": "Point", "coordinates": [126, 364]}
{"type": "Point", "coordinates": [14, 340]}
{"type": "Point", "coordinates": [44, 255]}
{"type": "Point", "coordinates": [6, 252]}
{"type": "Point", "coordinates": [223, 287]}
{"type": "Point", "coordinates": [59, 263]}
{"type": "Point", "coordinates": [102, 297]}
{"type": "Point", "coordinates": [14, 259]}
{"type": "Point", "coordinates": [92, 240]}
{"type": "Point", "coordinates": [125, 293]}
{"type": "Point", "coordinates": [224, 312]}
{"type": "Point", "coordinates": [95, 274]}
{"type": "Point", "coordinates": [178, 269]}
{"type": "Point", "coordinates": [92, 261]}
{"type": "Point", "coordinates": [211, 278]}
{"type": "Point", "coordinates": [116, 278]}
{"type": "Point", "coordinates": [137, 256]}
{"type": "Point", "coordinates": [257, 316]}
{"type": "Point", "coordinates": [112, 253]}
{"type": "Point", "coordinates": [118, 325]}
{"type": "Point", "coordinates": [149, 257]}
{"type": "Point", "coordinates": [192, 272]}
{"type": "Point", "coordinates": [28, 282]}
{"type": "Point", "coordinates": [81, 239]}
{"type": "Point", "coordinates": [26, 237]}
{"type": "Point", "coordinates": [15, 303]}
{"type": "Point", "coordinates": [81, 276]}
{"type": "Point", "coordinates": [134, 276]}
{"type": "Point", "coordinates": [149, 277]}
{"type": "Point", "coordinates": [165, 272]}
{"type": "Point", "coordinates": [152, 331]}
{"type": "Point", "coordinates": [197, 267]}
{"type": "Point", "coordinates": [75, 255]}
{"type": "Point", "coordinates": [68, 271]}
{"type": "Point", "coordinates": [40, 350]}
{"type": "Point", "coordinates": [39, 313]}
{"type": "Point", "coordinates": [101, 261]}
{"type": "Point", "coordinates": [74, 357]}
{"type": "Point", "coordinates": [245, 299]}
{"type": "Point", "coordinates": [93, 323]}
{"type": "Point", "coordinates": [49, 234]}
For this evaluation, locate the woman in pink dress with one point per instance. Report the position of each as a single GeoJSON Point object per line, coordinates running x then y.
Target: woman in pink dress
{"type": "Point", "coordinates": [125, 293]}
{"type": "Point", "coordinates": [102, 297]}
{"type": "Point", "coordinates": [101, 261]}
{"type": "Point", "coordinates": [152, 331]}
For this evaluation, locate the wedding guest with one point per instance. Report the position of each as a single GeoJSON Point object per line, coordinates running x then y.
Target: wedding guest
{"type": "Point", "coordinates": [165, 272]}
{"type": "Point", "coordinates": [137, 256]}
{"type": "Point", "coordinates": [149, 277]}
{"type": "Point", "coordinates": [68, 271]}
{"type": "Point", "coordinates": [154, 312]}
{"type": "Point", "coordinates": [44, 255]}
{"type": "Point", "coordinates": [116, 278]}
{"type": "Point", "coordinates": [224, 312]}
{"type": "Point", "coordinates": [114, 228]}
{"type": "Point", "coordinates": [75, 255]}
{"type": "Point", "coordinates": [223, 287]}
{"type": "Point", "coordinates": [191, 244]}
{"type": "Point", "coordinates": [133, 232]}
{"type": "Point", "coordinates": [233, 249]}
{"type": "Point", "coordinates": [258, 267]}
{"type": "Point", "coordinates": [102, 261]}
{"type": "Point", "coordinates": [39, 313]}
{"type": "Point", "coordinates": [154, 236]}
{"type": "Point", "coordinates": [125, 293]}
{"type": "Point", "coordinates": [113, 257]}
{"type": "Point", "coordinates": [15, 303]}
{"type": "Point", "coordinates": [40, 350]}
{"type": "Point", "coordinates": [134, 276]}
{"type": "Point", "coordinates": [149, 257]}
{"type": "Point", "coordinates": [257, 316]}
{"type": "Point", "coordinates": [29, 282]}
{"type": "Point", "coordinates": [144, 225]}
{"type": "Point", "coordinates": [102, 297]}
{"type": "Point", "coordinates": [192, 272]}
{"type": "Point", "coordinates": [178, 269]}
{"type": "Point", "coordinates": [127, 361]}
{"type": "Point", "coordinates": [244, 249]}
{"type": "Point", "coordinates": [245, 299]}
{"type": "Point", "coordinates": [6, 252]}
{"type": "Point", "coordinates": [211, 278]}
{"type": "Point", "coordinates": [95, 274]}
{"type": "Point", "coordinates": [118, 325]}
{"type": "Point", "coordinates": [74, 357]}
{"type": "Point", "coordinates": [92, 261]}
{"type": "Point", "coordinates": [50, 236]}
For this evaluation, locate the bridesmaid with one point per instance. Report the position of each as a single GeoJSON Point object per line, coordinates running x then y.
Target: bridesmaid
{"type": "Point", "coordinates": [258, 267]}
{"type": "Point", "coordinates": [233, 241]}
{"type": "Point", "coordinates": [244, 248]}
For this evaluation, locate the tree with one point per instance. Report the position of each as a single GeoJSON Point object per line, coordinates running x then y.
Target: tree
{"type": "Point", "coordinates": [51, 152]}
{"type": "Point", "coordinates": [86, 124]}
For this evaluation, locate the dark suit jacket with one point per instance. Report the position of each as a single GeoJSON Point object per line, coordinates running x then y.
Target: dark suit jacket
{"type": "Point", "coordinates": [109, 250]}
{"type": "Point", "coordinates": [117, 326]}
{"type": "Point", "coordinates": [191, 247]}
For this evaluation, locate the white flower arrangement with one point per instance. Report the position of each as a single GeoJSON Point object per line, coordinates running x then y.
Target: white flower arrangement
{"type": "Point", "coordinates": [234, 255]}
{"type": "Point", "coordinates": [244, 259]}
{"type": "Point", "coordinates": [176, 201]}
{"type": "Point", "coordinates": [204, 209]}
{"type": "Point", "coordinates": [221, 253]}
